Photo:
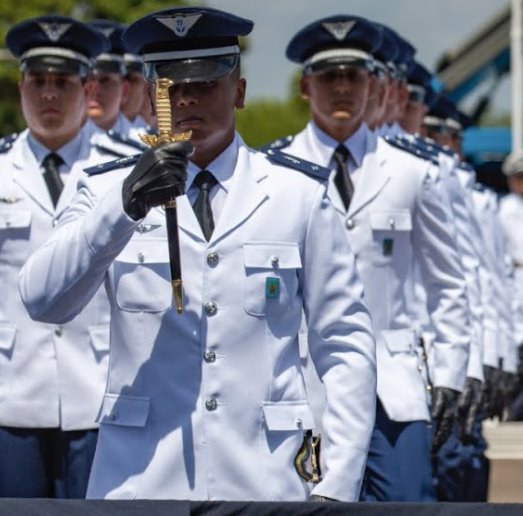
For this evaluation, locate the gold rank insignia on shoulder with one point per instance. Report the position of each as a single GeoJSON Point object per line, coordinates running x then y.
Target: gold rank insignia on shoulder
{"type": "Point", "coordinates": [309, 453]}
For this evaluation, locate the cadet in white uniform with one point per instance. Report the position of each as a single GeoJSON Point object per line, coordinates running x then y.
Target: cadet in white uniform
{"type": "Point", "coordinates": [392, 211]}
{"type": "Point", "coordinates": [110, 86]}
{"type": "Point", "coordinates": [210, 403]}
{"type": "Point", "coordinates": [52, 377]}
{"type": "Point", "coordinates": [510, 211]}
{"type": "Point", "coordinates": [460, 466]}
{"type": "Point", "coordinates": [132, 104]}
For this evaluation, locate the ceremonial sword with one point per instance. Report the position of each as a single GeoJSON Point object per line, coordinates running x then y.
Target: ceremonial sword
{"type": "Point", "coordinates": [165, 135]}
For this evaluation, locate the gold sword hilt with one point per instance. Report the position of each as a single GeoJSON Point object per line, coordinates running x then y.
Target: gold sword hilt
{"type": "Point", "coordinates": [165, 135]}
{"type": "Point", "coordinates": [163, 113]}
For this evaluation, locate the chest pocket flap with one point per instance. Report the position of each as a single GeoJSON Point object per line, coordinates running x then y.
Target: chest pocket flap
{"type": "Point", "coordinates": [142, 277]}
{"type": "Point", "coordinates": [398, 220]}
{"type": "Point", "coordinates": [269, 255]}
{"type": "Point", "coordinates": [288, 416]}
{"type": "Point", "coordinates": [124, 410]}
{"type": "Point", "coordinates": [15, 219]}
{"type": "Point", "coordinates": [145, 250]}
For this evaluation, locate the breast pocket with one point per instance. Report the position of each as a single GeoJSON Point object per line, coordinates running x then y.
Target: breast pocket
{"type": "Point", "coordinates": [391, 232]}
{"type": "Point", "coordinates": [271, 276]}
{"type": "Point", "coordinates": [142, 276]}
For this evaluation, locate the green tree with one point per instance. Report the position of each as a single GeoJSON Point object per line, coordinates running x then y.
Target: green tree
{"type": "Point", "coordinates": [263, 121]}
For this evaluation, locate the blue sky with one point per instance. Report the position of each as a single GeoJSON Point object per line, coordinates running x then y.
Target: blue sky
{"type": "Point", "coordinates": [432, 26]}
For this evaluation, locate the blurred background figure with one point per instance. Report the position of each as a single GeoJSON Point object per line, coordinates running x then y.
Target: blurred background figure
{"type": "Point", "coordinates": [53, 375]}
{"type": "Point", "coordinates": [511, 215]}
{"type": "Point", "coordinates": [110, 85]}
{"type": "Point", "coordinates": [136, 96]}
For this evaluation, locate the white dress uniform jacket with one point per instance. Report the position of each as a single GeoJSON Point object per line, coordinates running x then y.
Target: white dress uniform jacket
{"type": "Point", "coordinates": [469, 252]}
{"type": "Point", "coordinates": [211, 404]}
{"type": "Point", "coordinates": [50, 375]}
{"type": "Point", "coordinates": [511, 214]}
{"type": "Point", "coordinates": [488, 212]}
{"type": "Point", "coordinates": [397, 214]}
{"type": "Point", "coordinates": [490, 320]}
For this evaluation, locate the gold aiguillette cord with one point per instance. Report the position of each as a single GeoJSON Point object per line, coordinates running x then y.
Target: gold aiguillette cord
{"type": "Point", "coordinates": [163, 110]}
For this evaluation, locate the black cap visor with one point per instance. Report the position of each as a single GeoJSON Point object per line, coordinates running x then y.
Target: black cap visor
{"type": "Point", "coordinates": [333, 63]}
{"type": "Point", "coordinates": [134, 67]}
{"type": "Point", "coordinates": [193, 69]}
{"type": "Point", "coordinates": [108, 66]}
{"type": "Point", "coordinates": [416, 93]}
{"type": "Point", "coordinates": [55, 64]}
{"type": "Point", "coordinates": [435, 125]}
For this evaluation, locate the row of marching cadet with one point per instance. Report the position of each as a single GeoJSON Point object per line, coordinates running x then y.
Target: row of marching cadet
{"type": "Point", "coordinates": [370, 305]}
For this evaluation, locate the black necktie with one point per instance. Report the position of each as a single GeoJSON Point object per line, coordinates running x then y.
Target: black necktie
{"type": "Point", "coordinates": [342, 179]}
{"type": "Point", "coordinates": [202, 207]}
{"type": "Point", "coordinates": [52, 177]}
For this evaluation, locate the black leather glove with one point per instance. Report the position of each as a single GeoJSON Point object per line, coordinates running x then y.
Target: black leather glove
{"type": "Point", "coordinates": [509, 387]}
{"type": "Point", "coordinates": [319, 498]}
{"type": "Point", "coordinates": [469, 405]}
{"type": "Point", "coordinates": [492, 395]}
{"type": "Point", "coordinates": [158, 176]}
{"type": "Point", "coordinates": [444, 410]}
{"type": "Point", "coordinates": [487, 391]}
{"type": "Point", "coordinates": [520, 364]}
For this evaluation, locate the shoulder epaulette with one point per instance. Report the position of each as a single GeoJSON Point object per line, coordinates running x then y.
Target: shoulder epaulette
{"type": "Point", "coordinates": [406, 145]}
{"type": "Point", "coordinates": [112, 165]}
{"type": "Point", "coordinates": [307, 167]}
{"type": "Point", "coordinates": [106, 150]}
{"type": "Point", "coordinates": [434, 146]}
{"type": "Point", "coordinates": [120, 138]}
{"type": "Point", "coordinates": [278, 144]}
{"type": "Point", "coordinates": [7, 142]}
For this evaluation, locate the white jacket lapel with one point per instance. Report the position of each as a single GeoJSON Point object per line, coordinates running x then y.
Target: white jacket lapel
{"type": "Point", "coordinates": [246, 195]}
{"type": "Point", "coordinates": [29, 177]}
{"type": "Point", "coordinates": [373, 175]}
